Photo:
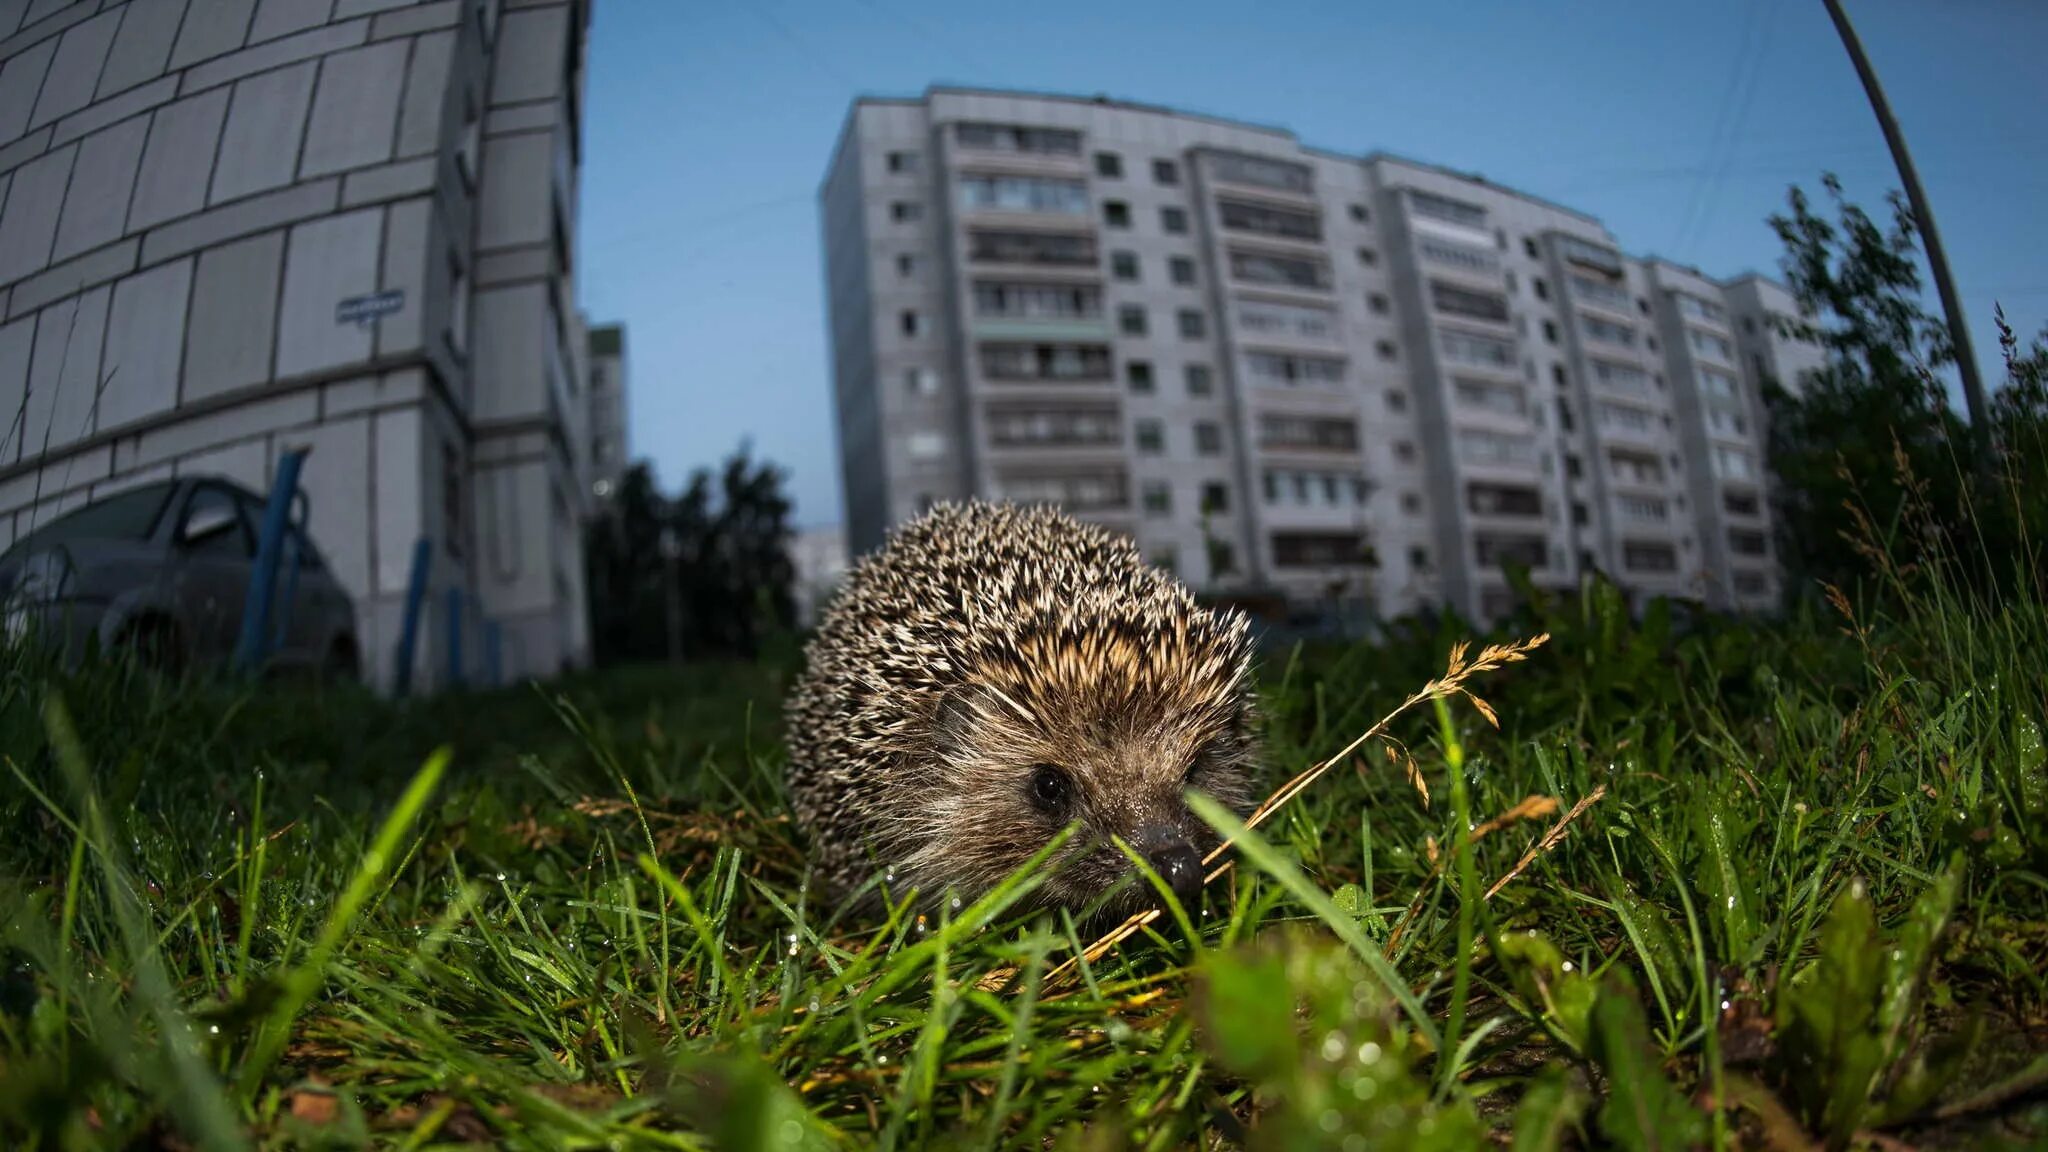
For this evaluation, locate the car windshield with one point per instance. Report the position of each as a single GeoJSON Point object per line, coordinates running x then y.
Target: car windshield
{"type": "Point", "coordinates": [129, 515]}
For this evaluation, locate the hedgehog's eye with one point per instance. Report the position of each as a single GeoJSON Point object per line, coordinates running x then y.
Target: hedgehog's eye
{"type": "Point", "coordinates": [1049, 789]}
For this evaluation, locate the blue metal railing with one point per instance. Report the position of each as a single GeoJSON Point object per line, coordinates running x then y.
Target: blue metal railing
{"type": "Point", "coordinates": [252, 646]}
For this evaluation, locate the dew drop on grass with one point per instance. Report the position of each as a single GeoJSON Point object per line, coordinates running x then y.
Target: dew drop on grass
{"type": "Point", "coordinates": [1567, 965]}
{"type": "Point", "coordinates": [921, 929]}
{"type": "Point", "coordinates": [889, 874]}
{"type": "Point", "coordinates": [1725, 1005]}
{"type": "Point", "coordinates": [813, 1006]}
{"type": "Point", "coordinates": [501, 877]}
{"type": "Point", "coordinates": [956, 904]}
{"type": "Point", "coordinates": [213, 1029]}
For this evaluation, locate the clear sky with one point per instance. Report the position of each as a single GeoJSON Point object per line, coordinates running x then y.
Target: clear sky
{"type": "Point", "coordinates": [1679, 125]}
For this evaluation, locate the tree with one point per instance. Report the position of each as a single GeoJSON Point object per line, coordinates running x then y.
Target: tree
{"type": "Point", "coordinates": [716, 555]}
{"type": "Point", "coordinates": [1871, 450]}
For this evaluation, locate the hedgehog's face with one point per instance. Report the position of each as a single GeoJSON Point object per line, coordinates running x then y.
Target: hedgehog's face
{"type": "Point", "coordinates": [1019, 770]}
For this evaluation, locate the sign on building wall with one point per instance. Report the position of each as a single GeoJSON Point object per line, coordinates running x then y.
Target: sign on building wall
{"type": "Point", "coordinates": [364, 310]}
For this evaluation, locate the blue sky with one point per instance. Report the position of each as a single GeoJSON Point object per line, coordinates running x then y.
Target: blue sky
{"type": "Point", "coordinates": [1678, 125]}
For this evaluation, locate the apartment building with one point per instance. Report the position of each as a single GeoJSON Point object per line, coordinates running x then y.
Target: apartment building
{"type": "Point", "coordinates": [232, 229]}
{"type": "Point", "coordinates": [609, 451]}
{"type": "Point", "coordinates": [1341, 378]}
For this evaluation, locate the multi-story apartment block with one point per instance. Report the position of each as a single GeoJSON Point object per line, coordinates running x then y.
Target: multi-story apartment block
{"type": "Point", "coordinates": [609, 448]}
{"type": "Point", "coordinates": [1762, 309]}
{"type": "Point", "coordinates": [1336, 377]}
{"type": "Point", "coordinates": [230, 229]}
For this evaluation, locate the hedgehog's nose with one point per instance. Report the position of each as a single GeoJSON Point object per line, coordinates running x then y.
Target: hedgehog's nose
{"type": "Point", "coordinates": [1170, 855]}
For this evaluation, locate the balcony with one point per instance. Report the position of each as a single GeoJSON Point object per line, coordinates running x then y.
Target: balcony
{"type": "Point", "coordinates": [1269, 220]}
{"type": "Point", "coordinates": [1035, 249]}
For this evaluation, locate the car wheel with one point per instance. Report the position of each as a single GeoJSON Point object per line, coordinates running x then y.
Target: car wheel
{"type": "Point", "coordinates": [153, 642]}
{"type": "Point", "coordinates": [344, 663]}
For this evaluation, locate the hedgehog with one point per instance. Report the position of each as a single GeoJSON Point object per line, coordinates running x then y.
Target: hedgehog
{"type": "Point", "coordinates": [995, 673]}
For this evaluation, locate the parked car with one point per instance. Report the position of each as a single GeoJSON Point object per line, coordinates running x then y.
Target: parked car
{"type": "Point", "coordinates": [164, 570]}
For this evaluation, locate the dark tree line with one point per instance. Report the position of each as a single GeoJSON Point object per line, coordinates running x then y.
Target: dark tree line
{"type": "Point", "coordinates": [1871, 450]}
{"type": "Point", "coordinates": [706, 571]}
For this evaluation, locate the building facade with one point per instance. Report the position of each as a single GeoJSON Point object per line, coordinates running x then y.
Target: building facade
{"type": "Point", "coordinates": [609, 450]}
{"type": "Point", "coordinates": [230, 228]}
{"type": "Point", "coordinates": [1339, 378]}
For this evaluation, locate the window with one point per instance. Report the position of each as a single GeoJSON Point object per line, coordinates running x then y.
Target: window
{"type": "Point", "coordinates": [1276, 368]}
{"type": "Point", "coordinates": [1012, 425]}
{"type": "Point", "coordinates": [925, 446]}
{"type": "Point", "coordinates": [1589, 255]}
{"type": "Point", "coordinates": [1037, 301]}
{"type": "Point", "coordinates": [1564, 415]}
{"type": "Point", "coordinates": [1505, 399]}
{"type": "Point", "coordinates": [1109, 166]}
{"type": "Point", "coordinates": [1418, 559]}
{"type": "Point", "coordinates": [1377, 303]}
{"type": "Point", "coordinates": [1485, 446]}
{"type": "Point", "coordinates": [1165, 172]}
{"type": "Point", "coordinates": [903, 162]}
{"type": "Point", "coordinates": [1123, 265]}
{"type": "Point", "coordinates": [1317, 433]}
{"type": "Point", "coordinates": [1641, 557]}
{"type": "Point", "coordinates": [1173, 221]}
{"type": "Point", "coordinates": [1752, 583]}
{"type": "Point", "coordinates": [1599, 292]}
{"type": "Point", "coordinates": [1181, 270]}
{"type": "Point", "coordinates": [1740, 503]}
{"type": "Point", "coordinates": [1268, 318]}
{"type": "Point", "coordinates": [1727, 424]}
{"type": "Point", "coordinates": [1368, 257]}
{"type": "Point", "coordinates": [1023, 194]}
{"type": "Point", "coordinates": [1457, 255]}
{"type": "Point", "coordinates": [213, 525]}
{"type": "Point", "coordinates": [1260, 172]}
{"type": "Point", "coordinates": [1455, 301]}
{"type": "Point", "coordinates": [1397, 401]}
{"type": "Point", "coordinates": [1558, 377]}
{"type": "Point", "coordinates": [1717, 384]}
{"type": "Point", "coordinates": [1633, 468]}
{"type": "Point", "coordinates": [1318, 550]}
{"type": "Point", "coordinates": [1574, 467]}
{"type": "Point", "coordinates": [1580, 513]}
{"type": "Point", "coordinates": [1054, 249]}
{"type": "Point", "coordinates": [1484, 351]}
{"type": "Point", "coordinates": [1269, 220]}
{"type": "Point", "coordinates": [1063, 362]}
{"type": "Point", "coordinates": [912, 323]}
{"type": "Point", "coordinates": [1493, 550]}
{"type": "Point", "coordinates": [1359, 214]}
{"type": "Point", "coordinates": [1386, 350]}
{"type": "Point", "coordinates": [1648, 508]}
{"type": "Point", "coordinates": [905, 211]}
{"type": "Point", "coordinates": [1116, 214]}
{"type": "Point", "coordinates": [1149, 437]}
{"type": "Point", "coordinates": [1445, 209]}
{"type": "Point", "coordinates": [921, 381]}
{"type": "Point", "coordinates": [1623, 417]}
{"type": "Point", "coordinates": [1193, 325]}
{"type": "Point", "coordinates": [1606, 332]}
{"type": "Point", "coordinates": [1138, 374]}
{"type": "Point", "coordinates": [1540, 287]}
{"type": "Point", "coordinates": [1017, 138]}
{"type": "Point", "coordinates": [1284, 271]}
{"type": "Point", "coordinates": [1404, 451]}
{"type": "Point", "coordinates": [1157, 497]}
{"type": "Point", "coordinates": [1620, 377]}
{"type": "Point", "coordinates": [1200, 380]}
{"type": "Point", "coordinates": [1745, 542]}
{"type": "Point", "coordinates": [1708, 344]}
{"type": "Point", "coordinates": [1130, 320]}
{"type": "Point", "coordinates": [1698, 309]}
{"type": "Point", "coordinates": [1208, 438]}
{"type": "Point", "coordinates": [1166, 558]}
{"type": "Point", "coordinates": [1215, 497]}
{"type": "Point", "coordinates": [1529, 246]}
{"type": "Point", "coordinates": [1549, 332]}
{"type": "Point", "coordinates": [906, 264]}
{"type": "Point", "coordinates": [1733, 463]}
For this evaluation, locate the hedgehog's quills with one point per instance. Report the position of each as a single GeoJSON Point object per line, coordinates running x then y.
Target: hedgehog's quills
{"type": "Point", "coordinates": [994, 673]}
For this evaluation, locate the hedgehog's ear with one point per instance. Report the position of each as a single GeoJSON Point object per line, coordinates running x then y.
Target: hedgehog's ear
{"type": "Point", "coordinates": [962, 712]}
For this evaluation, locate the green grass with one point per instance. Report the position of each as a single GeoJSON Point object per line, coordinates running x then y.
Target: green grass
{"type": "Point", "coordinates": [1806, 909]}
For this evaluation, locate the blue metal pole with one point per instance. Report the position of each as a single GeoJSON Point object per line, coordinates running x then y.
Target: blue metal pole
{"type": "Point", "coordinates": [293, 560]}
{"type": "Point", "coordinates": [494, 654]}
{"type": "Point", "coordinates": [250, 646]}
{"type": "Point", "coordinates": [454, 636]}
{"type": "Point", "coordinates": [409, 632]}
